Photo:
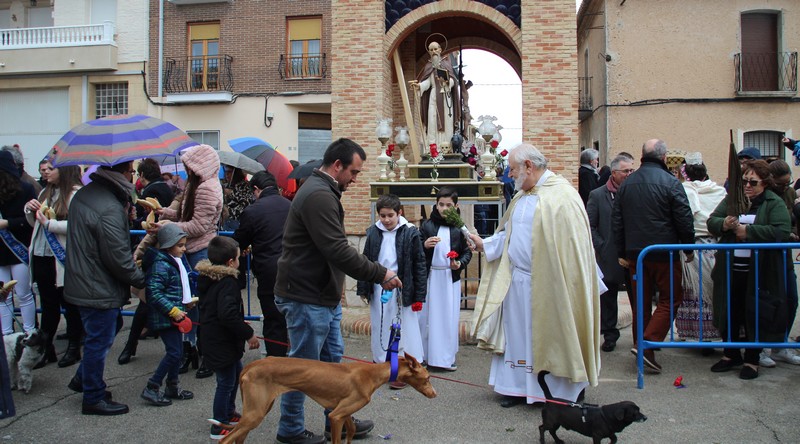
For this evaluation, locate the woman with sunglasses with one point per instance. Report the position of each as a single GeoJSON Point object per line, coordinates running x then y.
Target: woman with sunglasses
{"type": "Point", "coordinates": [766, 220]}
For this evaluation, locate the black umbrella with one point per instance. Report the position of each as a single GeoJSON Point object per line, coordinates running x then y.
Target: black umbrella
{"type": "Point", "coordinates": [737, 201]}
{"type": "Point", "coordinates": [303, 171]}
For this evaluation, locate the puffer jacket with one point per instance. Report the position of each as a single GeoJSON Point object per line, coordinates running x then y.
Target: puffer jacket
{"type": "Point", "coordinates": [411, 266]}
{"type": "Point", "coordinates": [457, 243]}
{"type": "Point", "coordinates": [202, 227]}
{"type": "Point", "coordinates": [224, 331]}
{"type": "Point", "coordinates": [651, 208]}
{"type": "Point", "coordinates": [164, 290]}
{"type": "Point", "coordinates": [99, 267]}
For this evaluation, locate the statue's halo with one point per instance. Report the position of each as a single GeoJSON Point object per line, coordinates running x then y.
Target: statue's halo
{"type": "Point", "coordinates": [429, 38]}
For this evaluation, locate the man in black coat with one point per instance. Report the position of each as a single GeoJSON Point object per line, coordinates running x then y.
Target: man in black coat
{"type": "Point", "coordinates": [599, 207]}
{"type": "Point", "coordinates": [587, 173]}
{"type": "Point", "coordinates": [651, 208]}
{"type": "Point", "coordinates": [261, 227]}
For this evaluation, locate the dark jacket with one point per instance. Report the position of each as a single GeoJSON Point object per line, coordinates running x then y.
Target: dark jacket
{"type": "Point", "coordinates": [161, 192]}
{"type": "Point", "coordinates": [457, 243]}
{"type": "Point", "coordinates": [411, 265]}
{"type": "Point", "coordinates": [651, 208]}
{"type": "Point", "coordinates": [99, 266]}
{"type": "Point", "coordinates": [224, 331]}
{"type": "Point", "coordinates": [13, 210]}
{"type": "Point", "coordinates": [587, 181]}
{"type": "Point", "coordinates": [599, 207]}
{"type": "Point", "coordinates": [316, 253]}
{"type": "Point", "coordinates": [771, 225]}
{"type": "Point", "coordinates": [261, 225]}
{"type": "Point", "coordinates": [164, 289]}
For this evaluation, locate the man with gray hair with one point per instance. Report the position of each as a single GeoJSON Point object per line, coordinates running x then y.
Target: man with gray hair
{"type": "Point", "coordinates": [587, 173]}
{"type": "Point", "coordinates": [533, 312]}
{"type": "Point", "coordinates": [651, 208]}
{"type": "Point", "coordinates": [601, 202]}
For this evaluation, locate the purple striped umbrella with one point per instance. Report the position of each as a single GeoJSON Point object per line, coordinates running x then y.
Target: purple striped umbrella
{"type": "Point", "coordinates": [116, 139]}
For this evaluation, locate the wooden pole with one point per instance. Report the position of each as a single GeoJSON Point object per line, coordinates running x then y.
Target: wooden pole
{"type": "Point", "coordinates": [412, 129]}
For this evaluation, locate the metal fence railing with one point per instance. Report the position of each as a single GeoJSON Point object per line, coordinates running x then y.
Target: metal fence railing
{"type": "Point", "coordinates": [669, 341]}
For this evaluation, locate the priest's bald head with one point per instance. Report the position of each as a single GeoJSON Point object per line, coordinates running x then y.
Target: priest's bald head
{"type": "Point", "coordinates": [526, 166]}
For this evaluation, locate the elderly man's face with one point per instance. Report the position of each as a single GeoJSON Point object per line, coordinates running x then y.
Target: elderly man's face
{"type": "Point", "coordinates": [434, 49]}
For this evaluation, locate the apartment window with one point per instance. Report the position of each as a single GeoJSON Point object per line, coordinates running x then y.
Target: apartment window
{"type": "Point", "coordinates": [210, 138]}
{"type": "Point", "coordinates": [111, 99]}
{"type": "Point", "coordinates": [204, 60]}
{"type": "Point", "coordinates": [304, 57]}
{"type": "Point", "coordinates": [768, 142]}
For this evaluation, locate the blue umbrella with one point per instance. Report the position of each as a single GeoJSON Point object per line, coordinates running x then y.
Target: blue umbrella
{"type": "Point", "coordinates": [244, 143]}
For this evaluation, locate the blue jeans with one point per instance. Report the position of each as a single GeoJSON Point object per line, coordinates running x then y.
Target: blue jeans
{"type": "Point", "coordinates": [194, 313]}
{"type": "Point", "coordinates": [225, 395]}
{"type": "Point", "coordinates": [171, 362]}
{"type": "Point", "coordinates": [100, 327]}
{"type": "Point", "coordinates": [314, 333]}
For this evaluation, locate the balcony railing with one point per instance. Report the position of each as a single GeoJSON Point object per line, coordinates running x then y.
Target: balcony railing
{"type": "Point", "coordinates": [304, 66]}
{"type": "Point", "coordinates": [57, 36]}
{"type": "Point", "coordinates": [766, 72]}
{"type": "Point", "coordinates": [198, 74]}
{"type": "Point", "coordinates": [584, 93]}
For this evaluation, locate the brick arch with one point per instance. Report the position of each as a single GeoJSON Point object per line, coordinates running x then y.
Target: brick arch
{"type": "Point", "coordinates": [464, 8]}
{"type": "Point", "coordinates": [510, 56]}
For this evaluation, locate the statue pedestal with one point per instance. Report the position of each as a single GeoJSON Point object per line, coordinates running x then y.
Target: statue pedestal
{"type": "Point", "coordinates": [447, 171]}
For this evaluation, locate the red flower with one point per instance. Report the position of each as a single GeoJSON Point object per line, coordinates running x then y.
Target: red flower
{"type": "Point", "coordinates": [452, 254]}
{"type": "Point", "coordinates": [389, 153]}
{"type": "Point", "coordinates": [494, 143]}
{"type": "Point", "coordinates": [472, 161]}
{"type": "Point", "coordinates": [504, 153]}
{"type": "Point", "coordinates": [434, 150]}
{"type": "Point", "coordinates": [390, 149]}
{"type": "Point", "coordinates": [473, 150]}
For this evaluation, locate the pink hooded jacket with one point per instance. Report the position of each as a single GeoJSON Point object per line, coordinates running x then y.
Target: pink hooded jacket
{"type": "Point", "coordinates": [203, 161]}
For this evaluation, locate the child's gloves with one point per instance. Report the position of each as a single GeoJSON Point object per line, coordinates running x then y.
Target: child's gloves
{"type": "Point", "coordinates": [416, 306]}
{"type": "Point", "coordinates": [385, 296]}
{"type": "Point", "coordinates": [176, 314]}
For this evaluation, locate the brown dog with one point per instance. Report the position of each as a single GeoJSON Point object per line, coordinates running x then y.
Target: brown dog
{"type": "Point", "coordinates": [342, 388]}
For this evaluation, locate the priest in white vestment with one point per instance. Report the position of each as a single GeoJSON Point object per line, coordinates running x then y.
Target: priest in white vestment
{"type": "Point", "coordinates": [538, 305]}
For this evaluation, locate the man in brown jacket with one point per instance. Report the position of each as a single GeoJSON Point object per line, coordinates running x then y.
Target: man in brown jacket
{"type": "Point", "coordinates": [311, 271]}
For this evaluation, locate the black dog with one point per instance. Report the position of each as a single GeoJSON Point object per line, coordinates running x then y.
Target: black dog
{"type": "Point", "coordinates": [589, 420]}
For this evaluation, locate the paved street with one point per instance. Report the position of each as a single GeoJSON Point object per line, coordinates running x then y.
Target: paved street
{"type": "Point", "coordinates": [713, 408]}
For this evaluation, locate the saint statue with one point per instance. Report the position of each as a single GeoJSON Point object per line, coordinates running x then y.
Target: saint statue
{"type": "Point", "coordinates": [440, 108]}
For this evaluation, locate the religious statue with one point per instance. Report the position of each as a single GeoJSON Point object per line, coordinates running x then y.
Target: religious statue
{"type": "Point", "coordinates": [440, 107]}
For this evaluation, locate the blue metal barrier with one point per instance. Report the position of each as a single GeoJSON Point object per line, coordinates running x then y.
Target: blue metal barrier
{"type": "Point", "coordinates": [248, 315]}
{"type": "Point", "coordinates": [642, 344]}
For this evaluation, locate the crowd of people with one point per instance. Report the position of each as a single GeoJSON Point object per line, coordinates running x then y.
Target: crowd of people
{"type": "Point", "coordinates": [72, 240]}
{"type": "Point", "coordinates": [631, 209]}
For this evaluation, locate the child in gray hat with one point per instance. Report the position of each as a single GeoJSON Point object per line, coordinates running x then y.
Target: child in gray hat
{"type": "Point", "coordinates": [168, 294]}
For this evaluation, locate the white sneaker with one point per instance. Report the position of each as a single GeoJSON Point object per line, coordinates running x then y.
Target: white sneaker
{"type": "Point", "coordinates": [786, 355]}
{"type": "Point", "coordinates": [765, 361]}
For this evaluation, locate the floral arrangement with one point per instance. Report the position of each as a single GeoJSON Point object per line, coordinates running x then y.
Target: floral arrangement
{"type": "Point", "coordinates": [392, 164]}
{"type": "Point", "coordinates": [470, 155]}
{"type": "Point", "coordinates": [436, 156]}
{"type": "Point", "coordinates": [499, 158]}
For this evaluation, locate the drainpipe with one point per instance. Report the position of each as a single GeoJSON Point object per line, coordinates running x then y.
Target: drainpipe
{"type": "Point", "coordinates": [160, 49]}
{"type": "Point", "coordinates": [605, 81]}
{"type": "Point", "coordinates": [84, 98]}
